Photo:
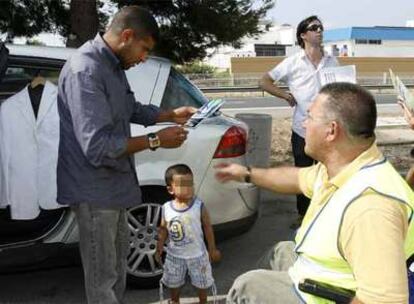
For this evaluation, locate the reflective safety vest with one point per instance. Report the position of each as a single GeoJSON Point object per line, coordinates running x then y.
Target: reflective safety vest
{"type": "Point", "coordinates": [317, 240]}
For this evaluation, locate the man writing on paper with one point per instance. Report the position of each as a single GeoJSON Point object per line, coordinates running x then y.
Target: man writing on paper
{"type": "Point", "coordinates": [96, 170]}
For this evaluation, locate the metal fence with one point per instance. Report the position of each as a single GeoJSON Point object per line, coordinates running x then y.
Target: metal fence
{"type": "Point", "coordinates": [252, 80]}
{"type": "Point", "coordinates": [241, 89]}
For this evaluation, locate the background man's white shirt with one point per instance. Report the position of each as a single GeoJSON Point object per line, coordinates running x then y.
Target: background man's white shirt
{"type": "Point", "coordinates": [303, 80]}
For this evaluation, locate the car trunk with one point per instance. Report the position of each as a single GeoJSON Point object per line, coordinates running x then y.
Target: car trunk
{"type": "Point", "coordinates": [197, 152]}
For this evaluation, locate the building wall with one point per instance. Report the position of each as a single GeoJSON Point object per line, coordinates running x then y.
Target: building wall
{"type": "Point", "coordinates": [364, 65]}
{"type": "Point", "coordinates": [388, 48]}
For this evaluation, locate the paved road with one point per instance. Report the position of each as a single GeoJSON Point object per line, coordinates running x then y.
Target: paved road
{"type": "Point", "coordinates": [277, 108]}
{"type": "Point", "coordinates": [240, 254]}
{"type": "Point", "coordinates": [253, 102]}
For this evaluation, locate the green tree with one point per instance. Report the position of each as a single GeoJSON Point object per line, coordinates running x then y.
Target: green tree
{"type": "Point", "coordinates": [196, 67]}
{"type": "Point", "coordinates": [28, 18]}
{"type": "Point", "coordinates": [190, 27]}
{"type": "Point", "coordinates": [33, 41]}
{"type": "Point", "coordinates": [77, 20]}
{"type": "Point", "coordinates": [86, 19]}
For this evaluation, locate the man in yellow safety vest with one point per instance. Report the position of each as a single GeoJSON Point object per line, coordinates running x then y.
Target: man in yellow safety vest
{"type": "Point", "coordinates": [357, 233]}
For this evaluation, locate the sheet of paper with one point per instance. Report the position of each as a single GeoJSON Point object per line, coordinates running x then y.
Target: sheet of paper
{"type": "Point", "coordinates": [393, 80]}
{"type": "Point", "coordinates": [345, 73]}
{"type": "Point", "coordinates": [402, 91]}
{"type": "Point", "coordinates": [207, 110]}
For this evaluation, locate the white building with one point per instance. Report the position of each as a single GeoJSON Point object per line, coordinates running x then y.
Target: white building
{"type": "Point", "coordinates": [377, 41]}
{"type": "Point", "coordinates": [274, 42]}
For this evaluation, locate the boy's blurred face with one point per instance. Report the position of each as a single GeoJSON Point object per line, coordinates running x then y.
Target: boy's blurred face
{"type": "Point", "coordinates": [182, 187]}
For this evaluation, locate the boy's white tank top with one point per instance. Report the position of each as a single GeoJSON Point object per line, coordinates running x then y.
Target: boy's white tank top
{"type": "Point", "coordinates": [185, 232]}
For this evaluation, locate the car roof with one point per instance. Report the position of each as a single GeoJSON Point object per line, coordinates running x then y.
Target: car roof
{"type": "Point", "coordinates": [40, 51]}
{"type": "Point", "coordinates": [51, 52]}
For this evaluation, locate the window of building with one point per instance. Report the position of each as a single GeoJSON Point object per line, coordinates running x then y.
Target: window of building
{"type": "Point", "coordinates": [374, 41]}
{"type": "Point", "coordinates": [368, 41]}
{"type": "Point", "coordinates": [361, 41]}
{"type": "Point", "coordinates": [269, 50]}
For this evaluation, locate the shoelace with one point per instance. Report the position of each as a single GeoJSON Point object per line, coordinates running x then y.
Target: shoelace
{"type": "Point", "coordinates": [214, 292]}
{"type": "Point", "coordinates": [161, 292]}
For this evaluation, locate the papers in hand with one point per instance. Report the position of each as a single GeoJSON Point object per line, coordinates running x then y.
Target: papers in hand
{"type": "Point", "coordinates": [207, 110]}
{"type": "Point", "coordinates": [403, 93]}
{"type": "Point", "coordinates": [346, 73]}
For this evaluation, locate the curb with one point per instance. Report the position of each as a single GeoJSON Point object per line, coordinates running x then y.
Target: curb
{"type": "Point", "coordinates": [220, 299]}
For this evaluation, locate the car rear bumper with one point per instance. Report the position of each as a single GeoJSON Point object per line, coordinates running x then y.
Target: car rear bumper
{"type": "Point", "coordinates": [226, 230]}
{"type": "Point", "coordinates": [228, 202]}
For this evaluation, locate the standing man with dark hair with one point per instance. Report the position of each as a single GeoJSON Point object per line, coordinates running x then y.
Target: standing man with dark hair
{"type": "Point", "coordinates": [96, 171]}
{"type": "Point", "coordinates": [301, 73]}
{"type": "Point", "coordinates": [358, 232]}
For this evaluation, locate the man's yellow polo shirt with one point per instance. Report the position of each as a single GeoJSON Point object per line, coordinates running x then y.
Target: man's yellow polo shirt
{"type": "Point", "coordinates": [372, 234]}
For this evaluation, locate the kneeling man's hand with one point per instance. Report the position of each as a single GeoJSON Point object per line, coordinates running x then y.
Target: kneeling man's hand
{"type": "Point", "coordinates": [227, 172]}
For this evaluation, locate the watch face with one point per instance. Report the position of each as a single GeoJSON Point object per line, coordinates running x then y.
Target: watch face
{"type": "Point", "coordinates": [154, 141]}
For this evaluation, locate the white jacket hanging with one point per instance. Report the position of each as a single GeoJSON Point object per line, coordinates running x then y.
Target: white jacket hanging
{"type": "Point", "coordinates": [3, 203]}
{"type": "Point", "coordinates": [29, 151]}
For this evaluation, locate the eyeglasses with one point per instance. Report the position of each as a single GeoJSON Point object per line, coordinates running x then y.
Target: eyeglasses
{"type": "Point", "coordinates": [315, 27]}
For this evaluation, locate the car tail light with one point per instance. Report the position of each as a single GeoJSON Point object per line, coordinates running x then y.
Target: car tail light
{"type": "Point", "coordinates": [232, 144]}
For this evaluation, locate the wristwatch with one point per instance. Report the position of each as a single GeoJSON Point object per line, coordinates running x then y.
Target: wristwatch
{"type": "Point", "coordinates": [153, 141]}
{"type": "Point", "coordinates": [248, 177]}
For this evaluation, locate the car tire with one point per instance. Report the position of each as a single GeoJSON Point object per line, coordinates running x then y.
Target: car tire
{"type": "Point", "coordinates": [143, 220]}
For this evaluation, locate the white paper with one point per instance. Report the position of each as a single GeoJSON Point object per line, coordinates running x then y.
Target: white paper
{"type": "Point", "coordinates": [207, 110]}
{"type": "Point", "coordinates": [345, 73]}
{"type": "Point", "coordinates": [402, 91]}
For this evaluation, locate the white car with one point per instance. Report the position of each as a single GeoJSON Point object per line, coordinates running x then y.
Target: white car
{"type": "Point", "coordinates": [233, 207]}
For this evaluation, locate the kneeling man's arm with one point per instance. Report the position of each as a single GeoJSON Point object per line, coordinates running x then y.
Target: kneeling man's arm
{"type": "Point", "coordinates": [281, 179]}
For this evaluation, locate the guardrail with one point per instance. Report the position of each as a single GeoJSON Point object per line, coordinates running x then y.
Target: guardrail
{"type": "Point", "coordinates": [258, 89]}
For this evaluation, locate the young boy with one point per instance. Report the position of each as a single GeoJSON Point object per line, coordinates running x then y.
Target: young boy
{"type": "Point", "coordinates": [183, 221]}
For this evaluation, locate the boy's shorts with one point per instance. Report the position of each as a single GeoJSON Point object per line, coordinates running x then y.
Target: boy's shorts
{"type": "Point", "coordinates": [199, 270]}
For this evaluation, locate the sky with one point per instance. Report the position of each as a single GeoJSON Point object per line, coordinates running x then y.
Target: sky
{"type": "Point", "coordinates": [336, 14]}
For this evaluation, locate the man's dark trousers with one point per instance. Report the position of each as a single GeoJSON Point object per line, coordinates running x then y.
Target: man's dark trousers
{"type": "Point", "coordinates": [301, 160]}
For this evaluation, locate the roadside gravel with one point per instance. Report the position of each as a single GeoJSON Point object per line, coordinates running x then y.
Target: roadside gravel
{"type": "Point", "coordinates": [281, 152]}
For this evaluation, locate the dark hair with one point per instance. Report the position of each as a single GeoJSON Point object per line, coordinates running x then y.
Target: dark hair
{"type": "Point", "coordinates": [136, 18]}
{"type": "Point", "coordinates": [353, 106]}
{"type": "Point", "coordinates": [179, 169]}
{"type": "Point", "coordinates": [303, 27]}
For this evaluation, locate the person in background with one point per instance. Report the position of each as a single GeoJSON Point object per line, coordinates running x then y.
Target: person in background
{"type": "Point", "coordinates": [184, 219]}
{"type": "Point", "coordinates": [300, 72]}
{"type": "Point", "coordinates": [96, 170]}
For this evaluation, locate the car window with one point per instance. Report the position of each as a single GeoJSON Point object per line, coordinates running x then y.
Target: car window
{"type": "Point", "coordinates": [4, 55]}
{"type": "Point", "coordinates": [181, 92]}
{"type": "Point", "coordinates": [27, 74]}
{"type": "Point", "coordinates": [16, 78]}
